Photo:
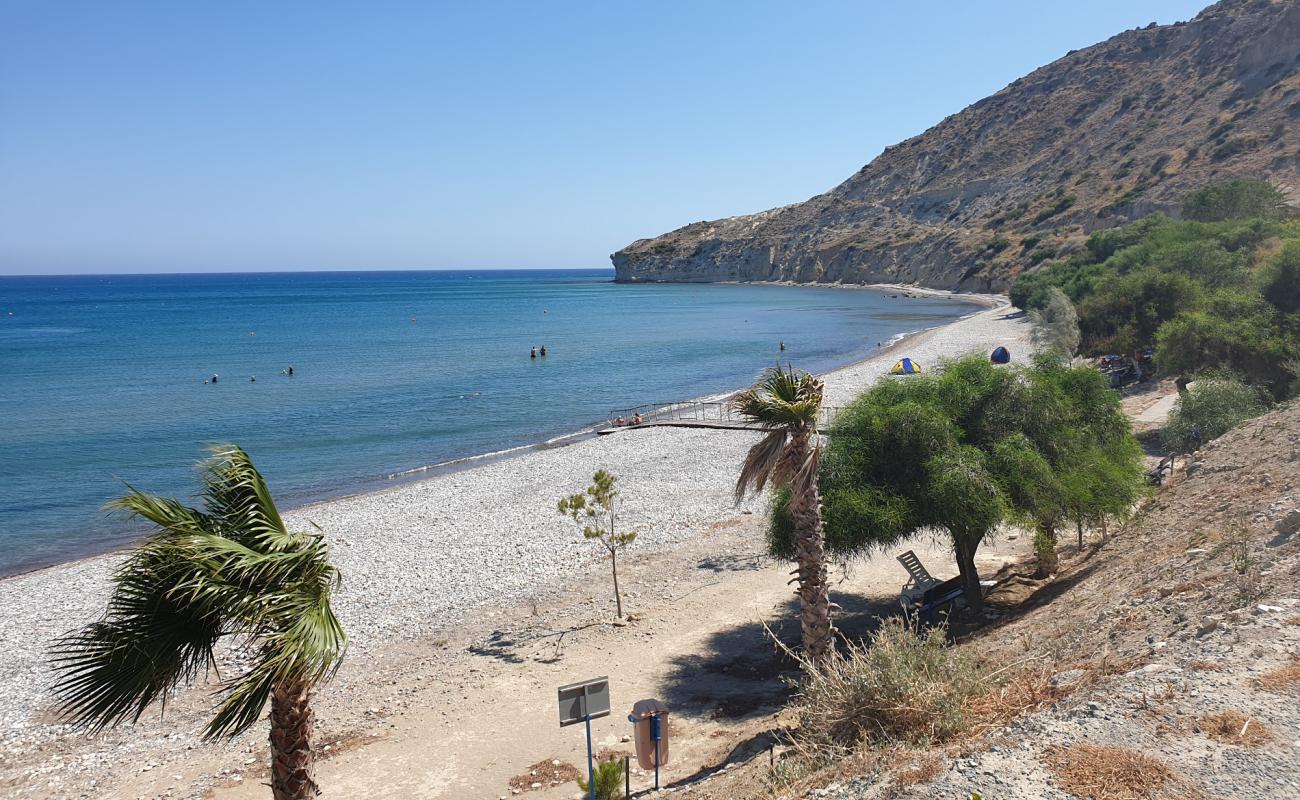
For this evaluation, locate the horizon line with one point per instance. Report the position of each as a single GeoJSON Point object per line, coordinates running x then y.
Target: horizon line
{"type": "Point", "coordinates": [300, 271]}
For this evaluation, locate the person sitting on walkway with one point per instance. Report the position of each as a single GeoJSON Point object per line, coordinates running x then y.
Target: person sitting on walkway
{"type": "Point", "coordinates": [636, 418]}
{"type": "Point", "coordinates": [619, 422]}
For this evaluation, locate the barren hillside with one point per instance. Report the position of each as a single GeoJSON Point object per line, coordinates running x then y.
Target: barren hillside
{"type": "Point", "coordinates": [1092, 140]}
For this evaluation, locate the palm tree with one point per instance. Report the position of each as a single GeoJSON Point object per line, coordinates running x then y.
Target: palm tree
{"type": "Point", "coordinates": [232, 569]}
{"type": "Point", "coordinates": [787, 403]}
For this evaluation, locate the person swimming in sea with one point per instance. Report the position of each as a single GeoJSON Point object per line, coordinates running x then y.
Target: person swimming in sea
{"type": "Point", "coordinates": [543, 353]}
{"type": "Point", "coordinates": [215, 376]}
{"type": "Point", "coordinates": [252, 379]}
{"type": "Point", "coordinates": [783, 345]}
{"type": "Point", "coordinates": [532, 353]}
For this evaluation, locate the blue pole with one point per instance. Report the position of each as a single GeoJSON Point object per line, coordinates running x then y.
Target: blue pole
{"type": "Point", "coordinates": [591, 771]}
{"type": "Point", "coordinates": [654, 734]}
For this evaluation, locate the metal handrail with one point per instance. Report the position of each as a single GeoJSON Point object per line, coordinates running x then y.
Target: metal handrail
{"type": "Point", "coordinates": [696, 411]}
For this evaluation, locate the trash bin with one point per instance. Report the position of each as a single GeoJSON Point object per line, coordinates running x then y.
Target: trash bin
{"type": "Point", "coordinates": [649, 717]}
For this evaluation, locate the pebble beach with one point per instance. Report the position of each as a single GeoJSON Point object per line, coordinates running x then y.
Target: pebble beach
{"type": "Point", "coordinates": [418, 557]}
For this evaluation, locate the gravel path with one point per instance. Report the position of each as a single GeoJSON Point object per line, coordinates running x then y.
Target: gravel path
{"type": "Point", "coordinates": [419, 556]}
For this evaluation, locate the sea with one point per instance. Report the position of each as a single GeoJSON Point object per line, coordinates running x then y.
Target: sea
{"type": "Point", "coordinates": [107, 381]}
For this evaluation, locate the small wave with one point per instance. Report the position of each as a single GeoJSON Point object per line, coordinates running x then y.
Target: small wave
{"type": "Point", "coordinates": [456, 462]}
{"type": "Point", "coordinates": [41, 330]}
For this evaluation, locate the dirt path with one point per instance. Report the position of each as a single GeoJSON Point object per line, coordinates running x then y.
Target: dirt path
{"type": "Point", "coordinates": [459, 719]}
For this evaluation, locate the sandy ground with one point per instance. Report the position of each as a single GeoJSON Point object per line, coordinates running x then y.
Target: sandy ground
{"type": "Point", "coordinates": [468, 601]}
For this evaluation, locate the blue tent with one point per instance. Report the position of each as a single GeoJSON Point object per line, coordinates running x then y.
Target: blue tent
{"type": "Point", "coordinates": [906, 367]}
{"type": "Point", "coordinates": [1001, 355]}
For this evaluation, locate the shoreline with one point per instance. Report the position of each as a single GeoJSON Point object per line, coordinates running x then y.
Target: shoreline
{"type": "Point", "coordinates": [388, 481]}
{"type": "Point", "coordinates": [424, 559]}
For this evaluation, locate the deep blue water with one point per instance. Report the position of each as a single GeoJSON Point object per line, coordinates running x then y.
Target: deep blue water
{"type": "Point", "coordinates": [102, 377]}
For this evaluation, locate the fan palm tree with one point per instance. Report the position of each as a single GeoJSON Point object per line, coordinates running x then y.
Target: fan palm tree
{"type": "Point", "coordinates": [231, 569]}
{"type": "Point", "coordinates": [787, 403]}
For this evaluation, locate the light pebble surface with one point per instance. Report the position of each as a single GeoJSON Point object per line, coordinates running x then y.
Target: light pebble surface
{"type": "Point", "coordinates": [419, 556]}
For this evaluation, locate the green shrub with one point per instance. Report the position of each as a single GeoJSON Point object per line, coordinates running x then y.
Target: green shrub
{"type": "Point", "coordinates": [1213, 406]}
{"type": "Point", "coordinates": [1045, 550]}
{"type": "Point", "coordinates": [900, 687]}
{"type": "Point", "coordinates": [608, 779]}
{"type": "Point", "coordinates": [1281, 285]}
{"type": "Point", "coordinates": [1238, 199]}
{"type": "Point", "coordinates": [996, 245]}
{"type": "Point", "coordinates": [1060, 205]}
{"type": "Point", "coordinates": [1232, 335]}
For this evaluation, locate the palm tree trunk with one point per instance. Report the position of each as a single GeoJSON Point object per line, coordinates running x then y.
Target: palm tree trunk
{"type": "Point", "coordinates": [292, 760]}
{"type": "Point", "coordinates": [810, 553]}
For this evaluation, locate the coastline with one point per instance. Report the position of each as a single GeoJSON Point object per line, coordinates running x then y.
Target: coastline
{"type": "Point", "coordinates": [425, 561]}
{"type": "Point", "coordinates": [365, 486]}
{"type": "Point", "coordinates": [420, 555]}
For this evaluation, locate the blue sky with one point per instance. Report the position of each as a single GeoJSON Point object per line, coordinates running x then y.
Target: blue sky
{"type": "Point", "coordinates": [219, 136]}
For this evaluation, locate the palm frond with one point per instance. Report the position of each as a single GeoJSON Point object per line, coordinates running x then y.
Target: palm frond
{"type": "Point", "coordinates": [236, 492]}
{"type": "Point", "coordinates": [150, 641]}
{"type": "Point", "coordinates": [761, 463]}
{"type": "Point", "coordinates": [231, 569]}
{"type": "Point", "coordinates": [782, 397]}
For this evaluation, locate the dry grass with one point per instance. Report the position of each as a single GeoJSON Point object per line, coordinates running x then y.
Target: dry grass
{"type": "Point", "coordinates": [1206, 666]}
{"type": "Point", "coordinates": [549, 773]}
{"type": "Point", "coordinates": [1108, 773]}
{"type": "Point", "coordinates": [901, 687]}
{"type": "Point", "coordinates": [924, 769]}
{"type": "Point", "coordinates": [1026, 691]}
{"type": "Point", "coordinates": [1283, 680]}
{"type": "Point", "coordinates": [1292, 620]}
{"type": "Point", "coordinates": [1234, 727]}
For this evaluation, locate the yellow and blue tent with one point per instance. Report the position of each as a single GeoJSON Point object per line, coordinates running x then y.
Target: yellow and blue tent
{"type": "Point", "coordinates": [906, 367]}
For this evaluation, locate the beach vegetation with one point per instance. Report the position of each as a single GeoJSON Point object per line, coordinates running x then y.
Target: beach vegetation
{"type": "Point", "coordinates": [968, 447]}
{"type": "Point", "coordinates": [787, 403]}
{"type": "Point", "coordinates": [1216, 291]}
{"type": "Point", "coordinates": [231, 569]}
{"type": "Point", "coordinates": [900, 686]}
{"type": "Point", "coordinates": [596, 513]}
{"type": "Point", "coordinates": [608, 779]}
{"type": "Point", "coordinates": [1239, 199]}
{"type": "Point", "coordinates": [1211, 407]}
{"type": "Point", "coordinates": [1056, 325]}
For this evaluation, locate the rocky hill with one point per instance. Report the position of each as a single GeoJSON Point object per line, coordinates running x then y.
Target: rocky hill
{"type": "Point", "coordinates": [1092, 140]}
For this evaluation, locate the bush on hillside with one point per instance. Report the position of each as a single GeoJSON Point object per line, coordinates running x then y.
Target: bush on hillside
{"type": "Point", "coordinates": [1239, 199]}
{"type": "Point", "coordinates": [899, 687]}
{"type": "Point", "coordinates": [1281, 285]}
{"type": "Point", "coordinates": [1219, 290]}
{"type": "Point", "coordinates": [1233, 335]}
{"type": "Point", "coordinates": [1056, 325]}
{"type": "Point", "coordinates": [1212, 407]}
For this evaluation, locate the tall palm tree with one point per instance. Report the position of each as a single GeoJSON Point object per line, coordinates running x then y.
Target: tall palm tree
{"type": "Point", "coordinates": [787, 403]}
{"type": "Point", "coordinates": [232, 569]}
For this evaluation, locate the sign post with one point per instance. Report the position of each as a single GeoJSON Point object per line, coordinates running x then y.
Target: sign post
{"type": "Point", "coordinates": [583, 702]}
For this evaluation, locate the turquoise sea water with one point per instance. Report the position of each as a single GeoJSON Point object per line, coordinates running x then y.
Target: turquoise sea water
{"type": "Point", "coordinates": [102, 378]}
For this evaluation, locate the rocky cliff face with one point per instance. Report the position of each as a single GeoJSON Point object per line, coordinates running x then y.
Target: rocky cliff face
{"type": "Point", "coordinates": [1092, 140]}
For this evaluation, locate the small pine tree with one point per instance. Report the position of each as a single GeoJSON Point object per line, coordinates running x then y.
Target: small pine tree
{"type": "Point", "coordinates": [596, 514]}
{"type": "Point", "coordinates": [608, 780]}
